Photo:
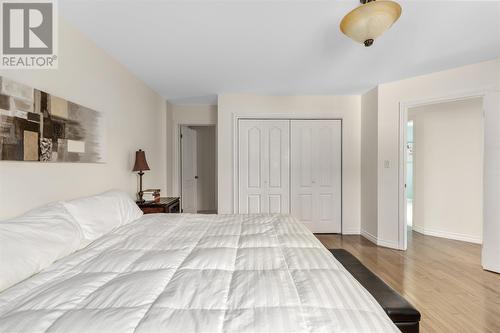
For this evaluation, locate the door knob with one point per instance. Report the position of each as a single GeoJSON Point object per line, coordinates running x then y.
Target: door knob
{"type": "Point", "coordinates": [195, 177]}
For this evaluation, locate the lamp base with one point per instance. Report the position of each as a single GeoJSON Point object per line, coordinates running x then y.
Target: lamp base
{"type": "Point", "coordinates": [140, 193]}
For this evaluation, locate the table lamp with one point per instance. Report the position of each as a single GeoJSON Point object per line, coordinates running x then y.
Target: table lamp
{"type": "Point", "coordinates": [140, 165]}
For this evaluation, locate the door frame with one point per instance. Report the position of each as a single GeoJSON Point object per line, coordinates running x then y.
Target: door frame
{"type": "Point", "coordinates": [282, 116]}
{"type": "Point", "coordinates": [403, 140]}
{"type": "Point", "coordinates": [179, 149]}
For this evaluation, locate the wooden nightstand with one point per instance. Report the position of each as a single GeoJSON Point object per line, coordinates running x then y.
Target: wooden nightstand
{"type": "Point", "coordinates": [166, 205]}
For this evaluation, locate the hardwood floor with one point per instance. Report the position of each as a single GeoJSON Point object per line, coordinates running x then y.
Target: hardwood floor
{"type": "Point", "coordinates": [442, 278]}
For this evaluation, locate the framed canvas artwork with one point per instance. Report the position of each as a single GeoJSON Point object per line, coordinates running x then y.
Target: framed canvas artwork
{"type": "Point", "coordinates": [37, 126]}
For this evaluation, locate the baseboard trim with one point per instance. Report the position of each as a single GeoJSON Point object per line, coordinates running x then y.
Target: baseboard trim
{"type": "Point", "coordinates": [350, 232]}
{"type": "Point", "coordinates": [379, 242]}
{"type": "Point", "coordinates": [369, 236]}
{"type": "Point", "coordinates": [390, 244]}
{"type": "Point", "coordinates": [448, 235]}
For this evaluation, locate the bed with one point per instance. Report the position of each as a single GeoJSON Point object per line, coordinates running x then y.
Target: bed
{"type": "Point", "coordinates": [195, 273]}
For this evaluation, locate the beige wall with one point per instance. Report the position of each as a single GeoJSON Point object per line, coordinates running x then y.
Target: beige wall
{"type": "Point", "coordinates": [369, 136]}
{"type": "Point", "coordinates": [344, 107]}
{"type": "Point", "coordinates": [134, 115]}
{"type": "Point", "coordinates": [448, 164]}
{"type": "Point", "coordinates": [178, 115]}
{"type": "Point", "coordinates": [472, 78]}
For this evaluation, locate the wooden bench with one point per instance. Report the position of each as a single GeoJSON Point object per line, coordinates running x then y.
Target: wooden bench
{"type": "Point", "coordinates": [401, 312]}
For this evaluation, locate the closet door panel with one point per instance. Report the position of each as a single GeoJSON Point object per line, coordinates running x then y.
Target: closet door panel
{"type": "Point", "coordinates": [278, 166]}
{"type": "Point", "coordinates": [302, 208]}
{"type": "Point", "coordinates": [250, 182]}
{"type": "Point", "coordinates": [253, 205]}
{"type": "Point", "coordinates": [325, 170]}
{"type": "Point", "coordinates": [263, 166]}
{"type": "Point", "coordinates": [326, 203]}
{"type": "Point", "coordinates": [254, 156]}
{"type": "Point", "coordinates": [316, 174]}
{"type": "Point", "coordinates": [302, 173]}
{"type": "Point", "coordinates": [304, 143]}
{"type": "Point", "coordinates": [329, 176]}
{"type": "Point", "coordinates": [275, 204]}
{"type": "Point", "coordinates": [275, 157]}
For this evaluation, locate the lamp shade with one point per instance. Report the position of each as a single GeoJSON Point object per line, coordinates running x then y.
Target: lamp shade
{"type": "Point", "coordinates": [370, 20]}
{"type": "Point", "coordinates": [140, 161]}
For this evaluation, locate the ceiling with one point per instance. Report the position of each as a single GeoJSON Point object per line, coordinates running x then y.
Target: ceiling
{"type": "Point", "coordinates": [190, 51]}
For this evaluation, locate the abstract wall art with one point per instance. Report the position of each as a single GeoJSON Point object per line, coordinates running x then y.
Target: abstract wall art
{"type": "Point", "coordinates": [37, 126]}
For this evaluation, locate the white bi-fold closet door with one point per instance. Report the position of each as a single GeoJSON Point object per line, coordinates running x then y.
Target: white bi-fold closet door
{"type": "Point", "coordinates": [316, 169]}
{"type": "Point", "coordinates": [292, 166]}
{"type": "Point", "coordinates": [264, 158]}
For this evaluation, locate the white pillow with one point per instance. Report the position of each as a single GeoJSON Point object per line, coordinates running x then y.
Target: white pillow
{"type": "Point", "coordinates": [99, 214]}
{"type": "Point", "coordinates": [33, 241]}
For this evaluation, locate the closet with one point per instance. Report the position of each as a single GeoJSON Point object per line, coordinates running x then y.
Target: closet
{"type": "Point", "coordinates": [291, 167]}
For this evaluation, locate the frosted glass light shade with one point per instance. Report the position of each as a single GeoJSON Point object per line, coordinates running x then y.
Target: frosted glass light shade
{"type": "Point", "coordinates": [370, 20]}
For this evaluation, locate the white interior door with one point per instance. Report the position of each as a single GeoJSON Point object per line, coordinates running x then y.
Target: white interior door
{"type": "Point", "coordinates": [264, 166]}
{"type": "Point", "coordinates": [491, 181]}
{"type": "Point", "coordinates": [316, 174]}
{"type": "Point", "coordinates": [188, 170]}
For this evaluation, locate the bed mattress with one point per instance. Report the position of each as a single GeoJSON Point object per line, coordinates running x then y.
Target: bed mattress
{"type": "Point", "coordinates": [196, 273]}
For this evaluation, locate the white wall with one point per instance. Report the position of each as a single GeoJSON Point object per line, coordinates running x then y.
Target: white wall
{"type": "Point", "coordinates": [477, 77]}
{"type": "Point", "coordinates": [448, 169]}
{"type": "Point", "coordinates": [134, 115]}
{"type": "Point", "coordinates": [178, 115]}
{"type": "Point", "coordinates": [491, 229]}
{"type": "Point", "coordinates": [345, 107]}
{"type": "Point", "coordinates": [369, 137]}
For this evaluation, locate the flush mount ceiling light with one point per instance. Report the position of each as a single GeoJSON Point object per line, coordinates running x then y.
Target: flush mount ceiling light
{"type": "Point", "coordinates": [370, 20]}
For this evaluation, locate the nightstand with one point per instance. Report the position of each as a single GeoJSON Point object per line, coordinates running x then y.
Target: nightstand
{"type": "Point", "coordinates": [166, 205]}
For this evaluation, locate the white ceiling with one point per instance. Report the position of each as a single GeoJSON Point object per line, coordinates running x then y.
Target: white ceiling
{"type": "Point", "coordinates": [190, 51]}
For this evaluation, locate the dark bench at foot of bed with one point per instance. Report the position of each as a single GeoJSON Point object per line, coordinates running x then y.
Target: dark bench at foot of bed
{"type": "Point", "coordinates": [402, 313]}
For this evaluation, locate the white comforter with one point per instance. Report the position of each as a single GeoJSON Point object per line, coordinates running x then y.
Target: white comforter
{"type": "Point", "coordinates": [196, 273]}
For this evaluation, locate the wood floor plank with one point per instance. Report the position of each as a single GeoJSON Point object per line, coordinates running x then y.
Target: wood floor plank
{"type": "Point", "coordinates": [442, 278]}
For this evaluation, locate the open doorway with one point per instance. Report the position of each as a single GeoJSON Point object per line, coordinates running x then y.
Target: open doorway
{"type": "Point", "coordinates": [198, 169]}
{"type": "Point", "coordinates": [488, 103]}
{"type": "Point", "coordinates": [444, 169]}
